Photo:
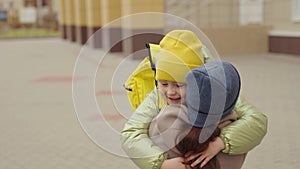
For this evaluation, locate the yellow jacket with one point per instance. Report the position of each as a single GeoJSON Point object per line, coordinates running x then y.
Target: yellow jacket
{"type": "Point", "coordinates": [239, 137]}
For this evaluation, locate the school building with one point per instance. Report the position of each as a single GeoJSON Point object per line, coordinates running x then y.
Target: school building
{"type": "Point", "coordinates": [16, 13]}
{"type": "Point", "coordinates": [234, 26]}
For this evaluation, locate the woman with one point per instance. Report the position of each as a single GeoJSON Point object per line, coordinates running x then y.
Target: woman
{"type": "Point", "coordinates": [180, 130]}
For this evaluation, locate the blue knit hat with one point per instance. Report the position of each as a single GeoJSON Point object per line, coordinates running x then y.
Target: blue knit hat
{"type": "Point", "coordinates": [212, 91]}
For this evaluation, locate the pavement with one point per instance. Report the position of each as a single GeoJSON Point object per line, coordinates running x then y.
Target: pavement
{"type": "Point", "coordinates": [50, 120]}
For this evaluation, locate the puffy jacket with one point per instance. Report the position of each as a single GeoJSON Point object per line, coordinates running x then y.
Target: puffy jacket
{"type": "Point", "coordinates": [239, 137]}
{"type": "Point", "coordinates": [170, 126]}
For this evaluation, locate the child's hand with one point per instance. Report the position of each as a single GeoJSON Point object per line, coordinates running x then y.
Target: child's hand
{"type": "Point", "coordinates": [213, 149]}
{"type": "Point", "coordinates": [172, 163]}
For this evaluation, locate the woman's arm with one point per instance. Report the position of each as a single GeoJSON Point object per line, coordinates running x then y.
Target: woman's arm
{"type": "Point", "coordinates": [238, 137]}
{"type": "Point", "coordinates": [245, 133]}
{"type": "Point", "coordinates": [135, 140]}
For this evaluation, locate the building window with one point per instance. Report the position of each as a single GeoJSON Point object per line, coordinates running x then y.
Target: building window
{"type": "Point", "coordinates": [295, 10]}
{"type": "Point", "coordinates": [3, 16]}
{"type": "Point", "coordinates": [251, 12]}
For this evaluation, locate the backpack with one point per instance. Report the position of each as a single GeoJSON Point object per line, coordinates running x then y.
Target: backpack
{"type": "Point", "coordinates": [142, 80]}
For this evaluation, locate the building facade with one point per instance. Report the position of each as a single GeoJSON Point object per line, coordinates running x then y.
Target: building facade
{"type": "Point", "coordinates": [234, 26]}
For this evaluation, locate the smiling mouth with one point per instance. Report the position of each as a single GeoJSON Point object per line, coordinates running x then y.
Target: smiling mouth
{"type": "Point", "coordinates": [174, 100]}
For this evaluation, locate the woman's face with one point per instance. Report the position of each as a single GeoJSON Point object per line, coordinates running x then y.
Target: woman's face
{"type": "Point", "coordinates": [172, 92]}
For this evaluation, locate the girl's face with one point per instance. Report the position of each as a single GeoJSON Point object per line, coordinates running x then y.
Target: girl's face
{"type": "Point", "coordinates": [172, 92]}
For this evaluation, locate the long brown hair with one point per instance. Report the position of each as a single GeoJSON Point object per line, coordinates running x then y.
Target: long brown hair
{"type": "Point", "coordinates": [190, 143]}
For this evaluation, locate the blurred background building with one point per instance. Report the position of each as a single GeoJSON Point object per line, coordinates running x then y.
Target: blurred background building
{"type": "Point", "coordinates": [17, 12]}
{"type": "Point", "coordinates": [28, 18]}
{"type": "Point", "coordinates": [234, 26]}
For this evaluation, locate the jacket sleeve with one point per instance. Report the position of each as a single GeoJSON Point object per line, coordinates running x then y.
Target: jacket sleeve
{"type": "Point", "coordinates": [245, 133]}
{"type": "Point", "coordinates": [134, 136]}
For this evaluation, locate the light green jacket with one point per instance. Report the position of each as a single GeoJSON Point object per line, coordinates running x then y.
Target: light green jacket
{"type": "Point", "coordinates": [239, 137]}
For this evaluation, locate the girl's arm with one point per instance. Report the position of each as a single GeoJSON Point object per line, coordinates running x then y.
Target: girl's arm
{"type": "Point", "coordinates": [238, 137]}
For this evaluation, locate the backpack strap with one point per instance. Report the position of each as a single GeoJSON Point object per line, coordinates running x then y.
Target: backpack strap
{"type": "Point", "coordinates": [151, 59]}
{"type": "Point", "coordinates": [153, 49]}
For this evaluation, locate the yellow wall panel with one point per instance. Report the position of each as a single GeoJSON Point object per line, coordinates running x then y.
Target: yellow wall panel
{"type": "Point", "coordinates": [96, 13]}
{"type": "Point", "coordinates": [70, 12]}
{"type": "Point", "coordinates": [114, 13]}
{"type": "Point", "coordinates": [83, 16]}
{"type": "Point", "coordinates": [115, 9]}
{"type": "Point", "coordinates": [80, 13]}
{"type": "Point", "coordinates": [93, 13]}
{"type": "Point", "coordinates": [146, 21]}
{"type": "Point", "coordinates": [138, 6]}
{"type": "Point", "coordinates": [62, 12]}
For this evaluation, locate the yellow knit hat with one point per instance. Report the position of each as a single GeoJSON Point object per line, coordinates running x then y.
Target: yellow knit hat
{"type": "Point", "coordinates": [180, 52]}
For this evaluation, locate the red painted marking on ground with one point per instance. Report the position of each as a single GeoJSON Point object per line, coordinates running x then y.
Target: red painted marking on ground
{"type": "Point", "coordinates": [57, 79]}
{"type": "Point", "coordinates": [105, 117]}
{"type": "Point", "coordinates": [109, 92]}
{"type": "Point", "coordinates": [282, 60]}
